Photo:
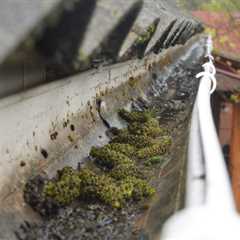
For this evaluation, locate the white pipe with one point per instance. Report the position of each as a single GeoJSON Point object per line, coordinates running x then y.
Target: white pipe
{"type": "Point", "coordinates": [218, 184]}
{"type": "Point", "coordinates": [195, 169]}
{"type": "Point", "coordinates": [219, 193]}
{"type": "Point", "coordinates": [215, 216]}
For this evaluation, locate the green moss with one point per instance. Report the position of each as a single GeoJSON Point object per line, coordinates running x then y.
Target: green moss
{"type": "Point", "coordinates": [154, 150]}
{"type": "Point", "coordinates": [88, 179]}
{"type": "Point", "coordinates": [84, 184]}
{"type": "Point", "coordinates": [87, 185]}
{"type": "Point", "coordinates": [136, 189]}
{"type": "Point", "coordinates": [153, 161]}
{"type": "Point", "coordinates": [127, 188]}
{"type": "Point", "coordinates": [134, 140]}
{"type": "Point", "coordinates": [125, 149]}
{"type": "Point", "coordinates": [123, 180]}
{"type": "Point", "coordinates": [66, 188]}
{"type": "Point", "coordinates": [150, 128]}
{"type": "Point", "coordinates": [66, 172]}
{"type": "Point", "coordinates": [140, 189]}
{"type": "Point", "coordinates": [107, 158]}
{"type": "Point", "coordinates": [114, 193]}
{"type": "Point", "coordinates": [109, 193]}
{"type": "Point", "coordinates": [124, 170]}
{"type": "Point", "coordinates": [101, 188]}
{"type": "Point", "coordinates": [135, 116]}
{"type": "Point", "coordinates": [116, 131]}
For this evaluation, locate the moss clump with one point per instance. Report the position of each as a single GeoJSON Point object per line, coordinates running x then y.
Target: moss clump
{"type": "Point", "coordinates": [154, 150]}
{"type": "Point", "coordinates": [116, 131]}
{"type": "Point", "coordinates": [150, 128]}
{"type": "Point", "coordinates": [125, 149]}
{"type": "Point", "coordinates": [127, 188]}
{"type": "Point", "coordinates": [134, 140]}
{"type": "Point", "coordinates": [66, 172]}
{"type": "Point", "coordinates": [66, 188]}
{"type": "Point", "coordinates": [88, 179]}
{"type": "Point", "coordinates": [136, 188]}
{"type": "Point", "coordinates": [113, 189]}
{"type": "Point", "coordinates": [102, 188]}
{"type": "Point", "coordinates": [109, 193]}
{"type": "Point", "coordinates": [83, 184]}
{"type": "Point", "coordinates": [135, 116]}
{"type": "Point", "coordinates": [120, 179]}
{"type": "Point", "coordinates": [107, 158]}
{"type": "Point", "coordinates": [124, 170]}
{"type": "Point", "coordinates": [153, 161]}
{"type": "Point", "coordinates": [87, 185]}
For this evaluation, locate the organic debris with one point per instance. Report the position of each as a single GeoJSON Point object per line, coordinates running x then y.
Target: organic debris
{"type": "Point", "coordinates": [118, 176]}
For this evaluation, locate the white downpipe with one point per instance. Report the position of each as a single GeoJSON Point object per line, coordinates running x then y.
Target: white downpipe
{"type": "Point", "coordinates": [217, 179]}
{"type": "Point", "coordinates": [210, 212]}
{"type": "Point", "coordinates": [218, 191]}
{"type": "Point", "coordinates": [195, 169]}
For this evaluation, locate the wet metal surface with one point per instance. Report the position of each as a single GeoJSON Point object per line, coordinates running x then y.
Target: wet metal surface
{"type": "Point", "coordinates": [172, 92]}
